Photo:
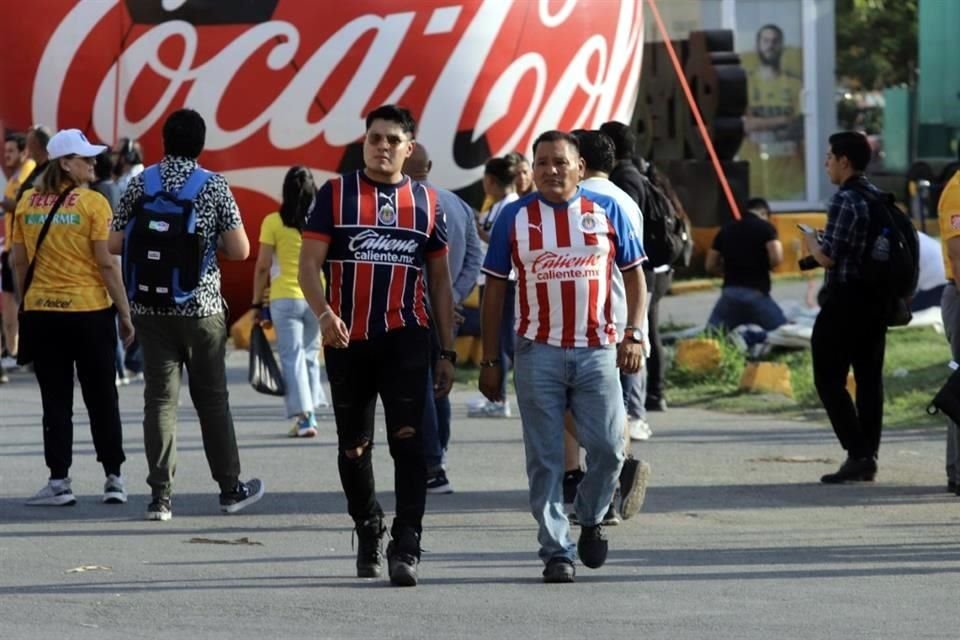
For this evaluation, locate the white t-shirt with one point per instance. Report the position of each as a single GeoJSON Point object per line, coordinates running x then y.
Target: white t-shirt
{"type": "Point", "coordinates": [932, 272]}
{"type": "Point", "coordinates": [487, 223]}
{"type": "Point", "coordinates": [632, 209]}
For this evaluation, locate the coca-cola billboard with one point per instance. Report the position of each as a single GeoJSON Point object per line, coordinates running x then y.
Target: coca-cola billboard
{"type": "Point", "coordinates": [283, 82]}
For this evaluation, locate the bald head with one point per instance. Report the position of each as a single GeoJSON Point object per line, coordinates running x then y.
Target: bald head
{"type": "Point", "coordinates": [418, 164]}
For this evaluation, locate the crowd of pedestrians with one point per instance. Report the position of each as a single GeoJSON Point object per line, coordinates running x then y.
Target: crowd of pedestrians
{"type": "Point", "coordinates": [368, 275]}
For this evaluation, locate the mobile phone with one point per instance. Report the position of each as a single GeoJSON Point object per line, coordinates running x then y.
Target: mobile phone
{"type": "Point", "coordinates": [806, 228]}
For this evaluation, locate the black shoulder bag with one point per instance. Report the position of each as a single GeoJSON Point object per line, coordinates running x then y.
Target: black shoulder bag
{"type": "Point", "coordinates": [26, 349]}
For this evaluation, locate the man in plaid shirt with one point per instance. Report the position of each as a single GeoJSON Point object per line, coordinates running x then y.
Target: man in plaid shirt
{"type": "Point", "coordinates": [851, 328]}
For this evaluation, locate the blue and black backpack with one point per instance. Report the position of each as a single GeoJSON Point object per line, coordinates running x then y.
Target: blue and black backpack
{"type": "Point", "coordinates": [163, 255]}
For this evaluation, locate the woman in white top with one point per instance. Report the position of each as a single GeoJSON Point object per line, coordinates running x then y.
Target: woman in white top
{"type": "Point", "coordinates": [499, 184]}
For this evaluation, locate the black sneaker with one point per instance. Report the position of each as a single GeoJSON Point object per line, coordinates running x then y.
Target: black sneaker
{"type": "Point", "coordinates": [559, 570]}
{"type": "Point", "coordinates": [243, 495]}
{"type": "Point", "coordinates": [403, 556]}
{"type": "Point", "coordinates": [370, 548]}
{"type": "Point", "coordinates": [571, 480]}
{"type": "Point", "coordinates": [592, 546]}
{"type": "Point", "coordinates": [160, 509]}
{"type": "Point", "coordinates": [438, 483]}
{"type": "Point", "coordinates": [853, 470]}
{"type": "Point", "coordinates": [655, 404]}
{"type": "Point", "coordinates": [634, 477]}
{"type": "Point", "coordinates": [612, 517]}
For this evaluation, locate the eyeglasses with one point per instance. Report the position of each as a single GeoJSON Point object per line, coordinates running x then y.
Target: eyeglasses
{"type": "Point", "coordinates": [392, 140]}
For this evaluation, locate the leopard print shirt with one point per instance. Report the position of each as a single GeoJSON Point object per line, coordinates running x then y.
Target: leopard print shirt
{"type": "Point", "coordinates": [217, 212]}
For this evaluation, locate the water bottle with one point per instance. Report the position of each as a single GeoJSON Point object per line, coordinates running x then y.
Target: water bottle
{"type": "Point", "coordinates": [881, 248]}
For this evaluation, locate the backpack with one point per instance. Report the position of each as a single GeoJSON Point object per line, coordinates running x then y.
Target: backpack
{"type": "Point", "coordinates": [666, 238]}
{"type": "Point", "coordinates": [163, 255]}
{"type": "Point", "coordinates": [891, 261]}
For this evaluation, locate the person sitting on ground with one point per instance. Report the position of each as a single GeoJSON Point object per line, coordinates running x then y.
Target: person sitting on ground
{"type": "Point", "coordinates": [745, 251]}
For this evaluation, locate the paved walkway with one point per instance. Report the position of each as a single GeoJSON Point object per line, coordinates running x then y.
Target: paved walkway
{"type": "Point", "coordinates": [733, 542]}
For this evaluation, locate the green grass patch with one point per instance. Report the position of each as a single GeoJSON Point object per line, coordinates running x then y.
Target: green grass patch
{"type": "Point", "coordinates": [914, 369]}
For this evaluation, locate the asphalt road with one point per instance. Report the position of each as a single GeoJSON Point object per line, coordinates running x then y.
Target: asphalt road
{"type": "Point", "coordinates": [737, 539]}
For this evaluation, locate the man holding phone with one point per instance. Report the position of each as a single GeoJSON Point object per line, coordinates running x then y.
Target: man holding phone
{"type": "Point", "coordinates": [745, 251]}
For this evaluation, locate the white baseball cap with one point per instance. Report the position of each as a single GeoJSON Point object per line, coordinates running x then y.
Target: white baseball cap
{"type": "Point", "coordinates": [72, 142]}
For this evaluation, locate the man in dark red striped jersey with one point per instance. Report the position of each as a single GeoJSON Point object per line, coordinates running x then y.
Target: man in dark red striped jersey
{"type": "Point", "coordinates": [565, 244]}
{"type": "Point", "coordinates": [374, 232]}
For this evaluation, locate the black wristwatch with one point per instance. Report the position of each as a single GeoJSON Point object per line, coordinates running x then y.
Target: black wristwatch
{"type": "Point", "coordinates": [449, 355]}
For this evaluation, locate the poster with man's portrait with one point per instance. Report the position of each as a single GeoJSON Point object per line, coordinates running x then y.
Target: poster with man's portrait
{"type": "Point", "coordinates": [768, 40]}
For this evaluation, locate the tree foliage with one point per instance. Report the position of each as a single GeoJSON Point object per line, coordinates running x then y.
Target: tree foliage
{"type": "Point", "coordinates": [876, 43]}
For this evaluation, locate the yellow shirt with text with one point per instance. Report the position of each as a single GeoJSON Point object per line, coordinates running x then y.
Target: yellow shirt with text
{"type": "Point", "coordinates": [66, 276]}
{"type": "Point", "coordinates": [948, 215]}
{"type": "Point", "coordinates": [13, 185]}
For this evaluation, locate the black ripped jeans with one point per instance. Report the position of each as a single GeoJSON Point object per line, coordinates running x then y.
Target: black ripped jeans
{"type": "Point", "coordinates": [393, 366]}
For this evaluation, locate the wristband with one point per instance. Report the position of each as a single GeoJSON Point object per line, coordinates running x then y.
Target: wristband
{"type": "Point", "coordinates": [486, 364]}
{"type": "Point", "coordinates": [323, 315]}
{"type": "Point", "coordinates": [256, 305]}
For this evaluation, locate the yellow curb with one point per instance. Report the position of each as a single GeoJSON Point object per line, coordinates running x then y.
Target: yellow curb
{"type": "Point", "coordinates": [698, 354]}
{"type": "Point", "coordinates": [765, 377]}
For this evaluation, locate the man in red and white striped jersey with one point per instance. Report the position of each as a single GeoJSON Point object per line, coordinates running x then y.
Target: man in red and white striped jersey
{"type": "Point", "coordinates": [565, 244]}
{"type": "Point", "coordinates": [376, 233]}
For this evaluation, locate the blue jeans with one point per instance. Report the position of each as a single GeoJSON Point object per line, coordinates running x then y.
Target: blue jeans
{"type": "Point", "coordinates": [634, 387]}
{"type": "Point", "coordinates": [743, 305]}
{"type": "Point", "coordinates": [436, 428]}
{"type": "Point", "coordinates": [549, 380]}
{"type": "Point", "coordinates": [298, 343]}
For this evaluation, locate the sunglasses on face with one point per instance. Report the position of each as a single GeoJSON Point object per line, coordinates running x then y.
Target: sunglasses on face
{"type": "Point", "coordinates": [392, 140]}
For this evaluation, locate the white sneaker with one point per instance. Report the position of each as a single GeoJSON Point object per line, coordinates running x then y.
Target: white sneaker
{"type": "Point", "coordinates": [10, 363]}
{"type": "Point", "coordinates": [56, 493]}
{"type": "Point", "coordinates": [639, 429]}
{"type": "Point", "coordinates": [490, 410]}
{"type": "Point", "coordinates": [476, 404]}
{"type": "Point", "coordinates": [113, 490]}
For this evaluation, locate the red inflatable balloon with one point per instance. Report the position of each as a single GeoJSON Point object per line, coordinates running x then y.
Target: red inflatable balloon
{"type": "Point", "coordinates": [284, 82]}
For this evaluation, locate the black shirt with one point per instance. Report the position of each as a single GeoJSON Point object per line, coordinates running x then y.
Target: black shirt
{"type": "Point", "coordinates": [743, 245]}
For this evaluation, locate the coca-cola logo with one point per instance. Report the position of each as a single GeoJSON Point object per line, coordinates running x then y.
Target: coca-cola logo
{"type": "Point", "coordinates": [484, 77]}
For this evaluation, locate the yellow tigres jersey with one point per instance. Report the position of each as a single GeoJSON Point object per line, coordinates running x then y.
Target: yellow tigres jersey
{"type": "Point", "coordinates": [66, 276]}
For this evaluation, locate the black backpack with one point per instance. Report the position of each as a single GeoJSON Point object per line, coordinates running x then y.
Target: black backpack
{"type": "Point", "coordinates": [891, 260]}
{"type": "Point", "coordinates": [164, 255]}
{"type": "Point", "coordinates": [666, 237]}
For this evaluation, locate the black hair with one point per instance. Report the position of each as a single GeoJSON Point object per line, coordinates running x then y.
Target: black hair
{"type": "Point", "coordinates": [298, 193]}
{"type": "Point", "coordinates": [502, 170]}
{"type": "Point", "coordinates": [18, 138]}
{"type": "Point", "coordinates": [394, 113]}
{"type": "Point", "coordinates": [42, 134]}
{"type": "Point", "coordinates": [598, 151]}
{"type": "Point", "coordinates": [184, 134]}
{"type": "Point", "coordinates": [130, 151]}
{"type": "Point", "coordinates": [624, 139]}
{"type": "Point", "coordinates": [853, 146]}
{"type": "Point", "coordinates": [757, 203]}
{"type": "Point", "coordinates": [557, 136]}
{"type": "Point", "coordinates": [103, 166]}
{"type": "Point", "coordinates": [771, 27]}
